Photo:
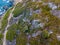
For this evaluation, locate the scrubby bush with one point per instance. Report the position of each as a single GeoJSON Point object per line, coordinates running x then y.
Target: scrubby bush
{"type": "Point", "coordinates": [18, 10]}
{"type": "Point", "coordinates": [11, 34]}
{"type": "Point", "coordinates": [45, 34]}
{"type": "Point", "coordinates": [5, 19]}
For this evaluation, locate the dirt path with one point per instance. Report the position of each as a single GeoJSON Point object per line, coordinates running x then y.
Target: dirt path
{"type": "Point", "coordinates": [4, 39]}
{"type": "Point", "coordinates": [16, 1]}
{"type": "Point", "coordinates": [5, 32]}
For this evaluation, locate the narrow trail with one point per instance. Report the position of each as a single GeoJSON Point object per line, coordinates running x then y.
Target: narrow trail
{"type": "Point", "coordinates": [5, 32]}
{"type": "Point", "coordinates": [16, 1]}
{"type": "Point", "coordinates": [11, 15]}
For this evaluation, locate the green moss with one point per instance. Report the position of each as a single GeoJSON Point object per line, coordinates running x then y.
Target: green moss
{"type": "Point", "coordinates": [1, 36]}
{"type": "Point", "coordinates": [13, 27]}
{"type": "Point", "coordinates": [11, 34]}
{"type": "Point", "coordinates": [5, 19]}
{"type": "Point", "coordinates": [18, 10]}
{"type": "Point", "coordinates": [45, 34]}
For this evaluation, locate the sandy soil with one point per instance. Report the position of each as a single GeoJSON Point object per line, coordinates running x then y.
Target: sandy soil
{"type": "Point", "coordinates": [16, 1]}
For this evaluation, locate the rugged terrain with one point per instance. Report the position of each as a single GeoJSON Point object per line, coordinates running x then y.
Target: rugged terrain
{"type": "Point", "coordinates": [31, 22]}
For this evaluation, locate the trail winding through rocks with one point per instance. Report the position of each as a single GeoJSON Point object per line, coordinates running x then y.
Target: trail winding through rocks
{"type": "Point", "coordinates": [5, 32]}
{"type": "Point", "coordinates": [11, 15]}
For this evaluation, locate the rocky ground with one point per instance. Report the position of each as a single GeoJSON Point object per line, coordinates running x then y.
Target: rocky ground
{"type": "Point", "coordinates": [35, 24]}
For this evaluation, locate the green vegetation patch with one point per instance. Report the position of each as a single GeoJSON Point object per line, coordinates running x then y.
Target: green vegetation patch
{"type": "Point", "coordinates": [21, 39]}
{"type": "Point", "coordinates": [18, 10]}
{"type": "Point", "coordinates": [1, 36]}
{"type": "Point", "coordinates": [11, 34]}
{"type": "Point", "coordinates": [5, 19]}
{"type": "Point", "coordinates": [45, 34]}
